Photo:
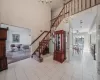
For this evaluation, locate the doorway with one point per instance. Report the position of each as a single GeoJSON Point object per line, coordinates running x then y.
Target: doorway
{"type": "Point", "coordinates": [17, 43]}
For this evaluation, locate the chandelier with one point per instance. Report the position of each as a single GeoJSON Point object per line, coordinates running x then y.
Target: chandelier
{"type": "Point", "coordinates": [46, 1]}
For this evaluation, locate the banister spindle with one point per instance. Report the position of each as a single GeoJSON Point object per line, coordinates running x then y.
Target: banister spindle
{"type": "Point", "coordinates": [71, 8]}
{"type": "Point", "coordinates": [64, 10]}
{"type": "Point", "coordinates": [39, 50]}
{"type": "Point", "coordinates": [81, 6]}
{"type": "Point", "coordinates": [85, 4]}
{"type": "Point", "coordinates": [90, 3]}
{"type": "Point", "coordinates": [74, 6]}
{"type": "Point", "coordinates": [94, 2]}
{"type": "Point", "coordinates": [77, 5]}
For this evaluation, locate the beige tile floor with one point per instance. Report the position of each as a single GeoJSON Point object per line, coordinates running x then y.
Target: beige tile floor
{"type": "Point", "coordinates": [81, 67]}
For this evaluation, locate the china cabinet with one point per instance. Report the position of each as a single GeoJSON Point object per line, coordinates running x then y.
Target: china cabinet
{"type": "Point", "coordinates": [60, 46]}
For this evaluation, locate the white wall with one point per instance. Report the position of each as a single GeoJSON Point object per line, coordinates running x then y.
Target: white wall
{"type": "Point", "coordinates": [51, 46]}
{"type": "Point", "coordinates": [30, 14]}
{"type": "Point", "coordinates": [93, 38]}
{"type": "Point", "coordinates": [0, 11]}
{"type": "Point", "coordinates": [93, 34]}
{"type": "Point", "coordinates": [56, 12]}
{"type": "Point", "coordinates": [86, 42]}
{"type": "Point", "coordinates": [64, 25]}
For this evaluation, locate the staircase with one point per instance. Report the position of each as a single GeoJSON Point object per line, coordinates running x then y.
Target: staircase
{"type": "Point", "coordinates": [70, 8]}
{"type": "Point", "coordinates": [43, 48]}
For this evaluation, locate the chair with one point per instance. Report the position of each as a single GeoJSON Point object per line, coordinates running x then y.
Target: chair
{"type": "Point", "coordinates": [26, 48]}
{"type": "Point", "coordinates": [19, 47]}
{"type": "Point", "coordinates": [76, 49]}
{"type": "Point", "coordinates": [13, 47]}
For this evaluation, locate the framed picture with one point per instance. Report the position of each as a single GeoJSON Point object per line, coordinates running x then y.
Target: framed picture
{"type": "Point", "coordinates": [16, 37]}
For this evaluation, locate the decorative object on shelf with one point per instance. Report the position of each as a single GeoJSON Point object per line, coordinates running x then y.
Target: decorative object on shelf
{"type": "Point", "coordinates": [60, 46]}
{"type": "Point", "coordinates": [46, 1]}
{"type": "Point", "coordinates": [3, 58]}
{"type": "Point", "coordinates": [16, 37]}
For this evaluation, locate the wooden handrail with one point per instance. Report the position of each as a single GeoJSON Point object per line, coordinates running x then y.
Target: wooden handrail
{"type": "Point", "coordinates": [53, 19]}
{"type": "Point", "coordinates": [60, 13]}
{"type": "Point", "coordinates": [38, 37]}
{"type": "Point", "coordinates": [68, 2]}
{"type": "Point", "coordinates": [46, 35]}
{"type": "Point", "coordinates": [57, 17]}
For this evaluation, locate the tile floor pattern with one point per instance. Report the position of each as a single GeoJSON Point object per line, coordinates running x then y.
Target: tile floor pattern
{"type": "Point", "coordinates": [79, 68]}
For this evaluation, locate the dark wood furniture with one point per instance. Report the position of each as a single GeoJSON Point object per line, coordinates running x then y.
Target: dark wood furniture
{"type": "Point", "coordinates": [60, 46]}
{"type": "Point", "coordinates": [3, 58]}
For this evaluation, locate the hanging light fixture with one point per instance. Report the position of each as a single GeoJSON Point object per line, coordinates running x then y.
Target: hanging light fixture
{"type": "Point", "coordinates": [46, 1]}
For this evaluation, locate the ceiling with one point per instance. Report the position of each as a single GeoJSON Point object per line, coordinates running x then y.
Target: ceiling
{"type": "Point", "coordinates": [84, 21]}
{"type": "Point", "coordinates": [87, 21]}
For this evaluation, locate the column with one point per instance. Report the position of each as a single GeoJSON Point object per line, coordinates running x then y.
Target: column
{"type": "Point", "coordinates": [98, 42]}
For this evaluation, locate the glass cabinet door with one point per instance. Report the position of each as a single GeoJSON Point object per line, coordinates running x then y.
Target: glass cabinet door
{"type": "Point", "coordinates": [58, 42]}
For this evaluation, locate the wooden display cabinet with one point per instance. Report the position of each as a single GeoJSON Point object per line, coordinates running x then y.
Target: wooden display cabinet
{"type": "Point", "coordinates": [2, 48]}
{"type": "Point", "coordinates": [3, 33]}
{"type": "Point", "coordinates": [60, 46]}
{"type": "Point", "coordinates": [3, 58]}
{"type": "Point", "coordinates": [3, 64]}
